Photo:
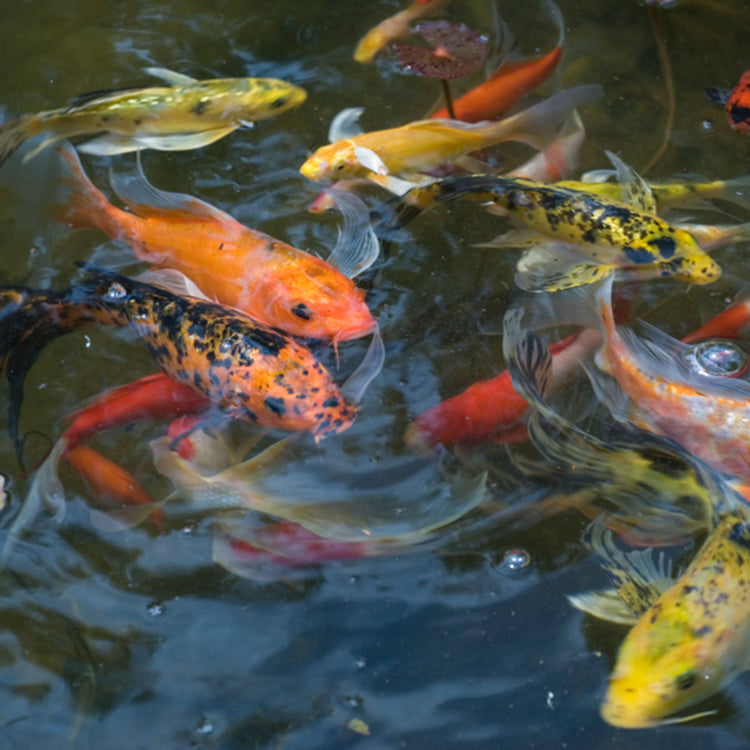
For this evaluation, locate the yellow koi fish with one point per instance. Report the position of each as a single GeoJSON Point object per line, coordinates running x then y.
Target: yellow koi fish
{"type": "Point", "coordinates": [420, 146]}
{"type": "Point", "coordinates": [186, 114]}
{"type": "Point", "coordinates": [691, 635]}
{"type": "Point", "coordinates": [393, 27]}
{"type": "Point", "coordinates": [593, 235]}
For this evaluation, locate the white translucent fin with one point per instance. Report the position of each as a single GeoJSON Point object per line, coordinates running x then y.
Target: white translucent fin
{"type": "Point", "coordinates": [170, 76]}
{"type": "Point", "coordinates": [114, 143]}
{"type": "Point", "coordinates": [356, 384]}
{"type": "Point", "coordinates": [173, 281]}
{"type": "Point", "coordinates": [345, 124]}
{"type": "Point", "coordinates": [370, 160]}
{"type": "Point", "coordinates": [45, 490]}
{"type": "Point", "coordinates": [604, 605]}
{"type": "Point", "coordinates": [636, 191]}
{"type": "Point", "coordinates": [357, 247]}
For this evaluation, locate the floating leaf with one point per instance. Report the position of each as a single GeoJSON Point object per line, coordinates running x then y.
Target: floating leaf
{"type": "Point", "coordinates": [455, 51]}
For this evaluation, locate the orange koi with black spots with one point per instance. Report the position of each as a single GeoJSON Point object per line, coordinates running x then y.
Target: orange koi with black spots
{"type": "Point", "coordinates": [249, 370]}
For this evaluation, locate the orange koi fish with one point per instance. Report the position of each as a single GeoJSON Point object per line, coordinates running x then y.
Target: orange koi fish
{"type": "Point", "coordinates": [736, 103]}
{"type": "Point", "coordinates": [269, 280]}
{"type": "Point", "coordinates": [394, 27]}
{"type": "Point", "coordinates": [510, 82]}
{"type": "Point", "coordinates": [696, 395]}
{"type": "Point", "coordinates": [421, 146]}
{"type": "Point", "coordinates": [249, 370]}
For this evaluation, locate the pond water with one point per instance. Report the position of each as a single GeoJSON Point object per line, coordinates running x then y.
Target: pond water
{"type": "Point", "coordinates": [138, 639]}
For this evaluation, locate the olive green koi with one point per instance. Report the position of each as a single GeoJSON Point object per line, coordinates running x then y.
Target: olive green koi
{"type": "Point", "coordinates": [186, 114]}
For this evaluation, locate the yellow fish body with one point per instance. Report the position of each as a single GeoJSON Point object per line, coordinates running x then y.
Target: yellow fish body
{"type": "Point", "coordinates": [604, 234]}
{"type": "Point", "coordinates": [185, 115]}
{"type": "Point", "coordinates": [693, 640]}
{"type": "Point", "coordinates": [417, 147]}
{"type": "Point", "coordinates": [690, 634]}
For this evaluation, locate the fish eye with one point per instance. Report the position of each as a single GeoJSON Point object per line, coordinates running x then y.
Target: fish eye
{"type": "Point", "coordinates": [115, 291]}
{"type": "Point", "coordinates": [280, 102]}
{"type": "Point", "coordinates": [717, 357]}
{"type": "Point", "coordinates": [339, 166]}
{"type": "Point", "coordinates": [686, 680]}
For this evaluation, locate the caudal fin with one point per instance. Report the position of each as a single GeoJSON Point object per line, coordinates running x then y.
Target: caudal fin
{"type": "Point", "coordinates": [29, 320]}
{"type": "Point", "coordinates": [82, 204]}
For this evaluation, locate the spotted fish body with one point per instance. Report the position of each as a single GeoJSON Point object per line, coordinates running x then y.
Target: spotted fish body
{"type": "Point", "coordinates": [251, 371]}
{"type": "Point", "coordinates": [736, 102]}
{"type": "Point", "coordinates": [605, 231]}
{"type": "Point", "coordinates": [186, 115]}
{"type": "Point", "coordinates": [690, 634]}
{"type": "Point", "coordinates": [693, 640]}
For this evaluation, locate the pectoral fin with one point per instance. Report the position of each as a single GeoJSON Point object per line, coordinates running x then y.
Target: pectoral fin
{"type": "Point", "coordinates": [115, 143]}
{"type": "Point", "coordinates": [170, 76]}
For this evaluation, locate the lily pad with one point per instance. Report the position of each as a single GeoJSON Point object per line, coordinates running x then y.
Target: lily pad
{"type": "Point", "coordinates": [454, 51]}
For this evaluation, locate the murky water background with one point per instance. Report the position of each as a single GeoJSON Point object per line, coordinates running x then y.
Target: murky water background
{"type": "Point", "coordinates": [139, 640]}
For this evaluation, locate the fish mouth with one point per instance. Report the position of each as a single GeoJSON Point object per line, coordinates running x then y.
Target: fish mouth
{"type": "Point", "coordinates": [623, 716]}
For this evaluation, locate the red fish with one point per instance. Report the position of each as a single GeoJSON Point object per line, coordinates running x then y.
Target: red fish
{"type": "Point", "coordinates": [509, 83]}
{"type": "Point", "coordinates": [736, 103]}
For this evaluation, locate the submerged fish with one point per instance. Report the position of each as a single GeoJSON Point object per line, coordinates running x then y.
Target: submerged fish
{"type": "Point", "coordinates": [420, 146]}
{"type": "Point", "coordinates": [186, 114]}
{"type": "Point", "coordinates": [692, 632]}
{"type": "Point", "coordinates": [249, 370]}
{"type": "Point", "coordinates": [393, 27]}
{"type": "Point", "coordinates": [602, 235]}
{"type": "Point", "coordinates": [269, 280]}
{"type": "Point", "coordinates": [701, 404]}
{"type": "Point", "coordinates": [736, 102]}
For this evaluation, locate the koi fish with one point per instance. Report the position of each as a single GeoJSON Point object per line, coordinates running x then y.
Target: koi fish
{"type": "Point", "coordinates": [249, 370]}
{"type": "Point", "coordinates": [394, 27]}
{"type": "Point", "coordinates": [697, 395]}
{"type": "Point", "coordinates": [604, 235]}
{"type": "Point", "coordinates": [186, 114]}
{"type": "Point", "coordinates": [691, 635]}
{"type": "Point", "coordinates": [669, 194]}
{"type": "Point", "coordinates": [736, 102]}
{"type": "Point", "coordinates": [616, 471]}
{"type": "Point", "coordinates": [420, 146]}
{"type": "Point", "coordinates": [510, 82]}
{"type": "Point", "coordinates": [491, 409]}
{"type": "Point", "coordinates": [269, 280]}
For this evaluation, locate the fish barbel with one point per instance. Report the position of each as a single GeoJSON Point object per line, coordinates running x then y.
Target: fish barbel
{"type": "Point", "coordinates": [269, 280]}
{"type": "Point", "coordinates": [609, 234]}
{"type": "Point", "coordinates": [249, 370]}
{"type": "Point", "coordinates": [186, 114]}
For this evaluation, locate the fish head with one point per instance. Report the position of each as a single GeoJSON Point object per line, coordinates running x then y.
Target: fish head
{"type": "Point", "coordinates": [336, 161]}
{"type": "Point", "coordinates": [668, 662]}
{"type": "Point", "coordinates": [249, 100]}
{"type": "Point", "coordinates": [315, 300]}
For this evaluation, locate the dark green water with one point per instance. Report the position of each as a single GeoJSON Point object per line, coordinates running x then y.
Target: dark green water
{"type": "Point", "coordinates": [138, 640]}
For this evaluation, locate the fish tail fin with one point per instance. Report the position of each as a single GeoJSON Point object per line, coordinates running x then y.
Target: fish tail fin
{"type": "Point", "coordinates": [29, 320]}
{"type": "Point", "coordinates": [536, 126]}
{"type": "Point", "coordinates": [84, 205]}
{"type": "Point", "coordinates": [12, 134]}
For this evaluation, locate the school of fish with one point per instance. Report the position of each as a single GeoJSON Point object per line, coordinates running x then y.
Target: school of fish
{"type": "Point", "coordinates": [247, 334]}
